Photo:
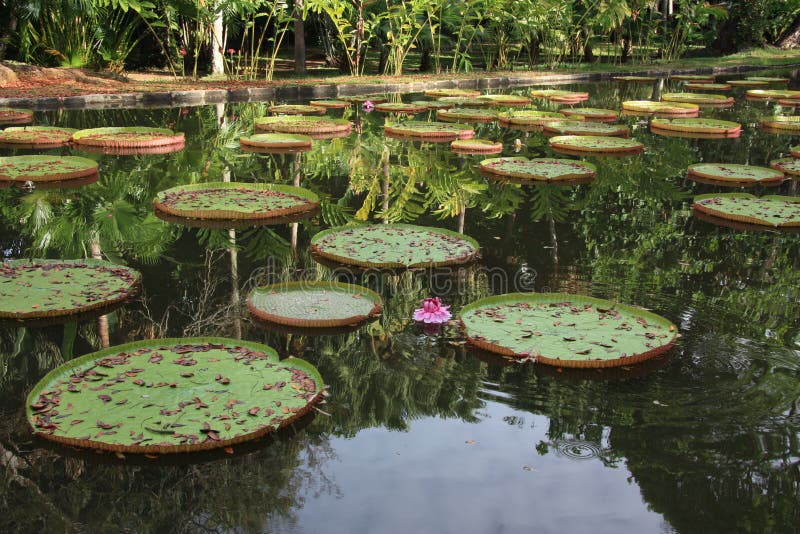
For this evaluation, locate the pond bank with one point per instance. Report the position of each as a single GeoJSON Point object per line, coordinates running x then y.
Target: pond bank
{"type": "Point", "coordinates": [118, 94]}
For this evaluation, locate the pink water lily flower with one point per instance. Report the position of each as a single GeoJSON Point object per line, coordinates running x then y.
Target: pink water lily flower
{"type": "Point", "coordinates": [368, 106]}
{"type": "Point", "coordinates": [432, 311]}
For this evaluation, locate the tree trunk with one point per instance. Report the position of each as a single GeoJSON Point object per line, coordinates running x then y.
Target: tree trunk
{"type": "Point", "coordinates": [791, 37]}
{"type": "Point", "coordinates": [10, 30]}
{"type": "Point", "coordinates": [299, 39]}
{"type": "Point", "coordinates": [217, 46]}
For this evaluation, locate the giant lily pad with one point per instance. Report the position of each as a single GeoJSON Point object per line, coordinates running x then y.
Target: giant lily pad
{"type": "Point", "coordinates": [731, 174]}
{"type": "Point", "coordinates": [596, 144]}
{"type": "Point", "coordinates": [474, 102]}
{"type": "Point", "coordinates": [771, 211]}
{"type": "Point", "coordinates": [768, 79]}
{"type": "Point", "coordinates": [696, 125]}
{"type": "Point", "coordinates": [466, 115]}
{"type": "Point", "coordinates": [585, 128]}
{"type": "Point", "coordinates": [507, 100]}
{"type": "Point", "coordinates": [771, 94]}
{"type": "Point", "coordinates": [360, 99]}
{"type": "Point", "coordinates": [566, 330]}
{"type": "Point", "coordinates": [15, 116]}
{"type": "Point", "coordinates": [433, 104]}
{"type": "Point", "coordinates": [790, 166]}
{"type": "Point", "coordinates": [394, 246]}
{"type": "Point", "coordinates": [661, 109]}
{"type": "Point", "coordinates": [36, 136]}
{"type": "Point", "coordinates": [708, 86]}
{"type": "Point", "coordinates": [698, 98]}
{"type": "Point", "coordinates": [438, 93]}
{"type": "Point", "coordinates": [253, 204]}
{"type": "Point", "coordinates": [590, 114]}
{"type": "Point", "coordinates": [330, 104]}
{"type": "Point", "coordinates": [429, 131]}
{"type": "Point", "coordinates": [747, 83]}
{"type": "Point", "coordinates": [59, 290]}
{"type": "Point", "coordinates": [528, 117]}
{"type": "Point", "coordinates": [697, 78]}
{"type": "Point", "coordinates": [278, 143]}
{"type": "Point", "coordinates": [788, 123]}
{"type": "Point", "coordinates": [296, 109]}
{"type": "Point", "coordinates": [635, 79]}
{"type": "Point", "coordinates": [128, 137]}
{"type": "Point", "coordinates": [300, 124]}
{"type": "Point", "coordinates": [400, 107]}
{"type": "Point", "coordinates": [48, 170]}
{"type": "Point", "coordinates": [172, 395]}
{"type": "Point", "coordinates": [795, 151]}
{"type": "Point", "coordinates": [476, 146]}
{"type": "Point", "coordinates": [548, 170]}
{"type": "Point", "coordinates": [559, 95]}
{"type": "Point", "coordinates": [314, 304]}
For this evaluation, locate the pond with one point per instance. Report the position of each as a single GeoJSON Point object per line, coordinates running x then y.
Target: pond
{"type": "Point", "coordinates": [419, 432]}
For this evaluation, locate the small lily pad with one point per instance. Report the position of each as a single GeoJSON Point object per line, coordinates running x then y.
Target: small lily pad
{"type": "Point", "coordinates": [768, 79]}
{"type": "Point", "coordinates": [635, 79]}
{"type": "Point", "coordinates": [360, 99]}
{"type": "Point", "coordinates": [439, 93]}
{"type": "Point", "coordinates": [400, 107]}
{"type": "Point", "coordinates": [697, 78]}
{"type": "Point", "coordinates": [708, 86]}
{"type": "Point", "coordinates": [528, 117]}
{"type": "Point", "coordinates": [789, 123]}
{"type": "Point", "coordinates": [507, 100]}
{"type": "Point", "coordinates": [747, 83]}
{"type": "Point", "coordinates": [790, 166]}
{"type": "Point", "coordinates": [330, 104]}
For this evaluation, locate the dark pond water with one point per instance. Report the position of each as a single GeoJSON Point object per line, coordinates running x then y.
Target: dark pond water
{"type": "Point", "coordinates": [419, 434]}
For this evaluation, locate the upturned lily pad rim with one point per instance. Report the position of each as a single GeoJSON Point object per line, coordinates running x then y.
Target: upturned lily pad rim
{"type": "Point", "coordinates": [571, 127]}
{"type": "Point", "coordinates": [746, 83]}
{"type": "Point", "coordinates": [302, 124]}
{"type": "Point", "coordinates": [284, 287]}
{"type": "Point", "coordinates": [278, 141]}
{"type": "Point", "coordinates": [591, 114]}
{"type": "Point", "coordinates": [771, 94]}
{"type": "Point", "coordinates": [466, 114]}
{"type": "Point", "coordinates": [16, 116]}
{"type": "Point", "coordinates": [790, 123]}
{"type": "Point", "coordinates": [525, 118]}
{"type": "Point", "coordinates": [400, 107]}
{"type": "Point", "coordinates": [331, 103]}
{"type": "Point", "coordinates": [692, 77]}
{"type": "Point", "coordinates": [437, 93]}
{"type": "Point", "coordinates": [507, 100]}
{"type": "Point", "coordinates": [795, 151]}
{"type": "Point", "coordinates": [476, 146]}
{"type": "Point", "coordinates": [696, 206]}
{"type": "Point", "coordinates": [698, 98]}
{"type": "Point", "coordinates": [449, 131]}
{"type": "Point", "coordinates": [635, 79]}
{"type": "Point", "coordinates": [87, 170]}
{"type": "Point", "coordinates": [59, 371]}
{"type": "Point", "coordinates": [301, 210]}
{"type": "Point", "coordinates": [574, 142]}
{"type": "Point", "coordinates": [540, 298]}
{"type": "Point", "coordinates": [660, 108]}
{"type": "Point", "coordinates": [296, 109]}
{"type": "Point", "coordinates": [531, 177]}
{"type": "Point", "coordinates": [705, 176]}
{"type": "Point", "coordinates": [696, 125]}
{"type": "Point", "coordinates": [164, 137]}
{"type": "Point", "coordinates": [708, 86]}
{"type": "Point", "coordinates": [68, 314]}
{"type": "Point", "coordinates": [345, 260]}
{"type": "Point", "coordinates": [768, 79]}
{"type": "Point", "coordinates": [778, 165]}
{"type": "Point", "coordinates": [10, 136]}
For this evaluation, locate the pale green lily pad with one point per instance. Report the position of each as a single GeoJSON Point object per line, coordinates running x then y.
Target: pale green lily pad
{"type": "Point", "coordinates": [767, 94]}
{"type": "Point", "coordinates": [507, 100]}
{"type": "Point", "coordinates": [467, 115]}
{"type": "Point", "coordinates": [708, 86]}
{"type": "Point", "coordinates": [592, 143]}
{"type": "Point", "coordinates": [466, 101]}
{"type": "Point", "coordinates": [400, 107]}
{"type": "Point", "coordinates": [439, 93]}
{"type": "Point", "coordinates": [394, 246]}
{"type": "Point", "coordinates": [301, 124]}
{"type": "Point", "coordinates": [15, 116]}
{"type": "Point", "coordinates": [276, 141]}
{"type": "Point", "coordinates": [172, 395]}
{"type": "Point", "coordinates": [566, 330]}
{"type": "Point", "coordinates": [38, 169]}
{"type": "Point", "coordinates": [360, 99]}
{"type": "Point", "coordinates": [635, 79]}
{"type": "Point", "coordinates": [549, 170]}
{"type": "Point", "coordinates": [529, 117]}
{"type": "Point", "coordinates": [296, 109]}
{"type": "Point", "coordinates": [698, 78]}
{"type": "Point", "coordinates": [590, 114]}
{"type": "Point", "coordinates": [127, 137]}
{"type": "Point", "coordinates": [572, 127]}
{"type": "Point", "coordinates": [660, 108]}
{"type": "Point", "coordinates": [767, 79]}
{"type": "Point", "coordinates": [790, 166]}
{"type": "Point", "coordinates": [713, 126]}
{"type": "Point", "coordinates": [36, 136]}
{"type": "Point", "coordinates": [772, 211]}
{"type": "Point", "coordinates": [747, 83]}
{"type": "Point", "coordinates": [697, 98]}
{"type": "Point", "coordinates": [433, 104]}
{"type": "Point", "coordinates": [435, 131]}
{"type": "Point", "coordinates": [734, 175]}
{"type": "Point", "coordinates": [331, 103]}
{"type": "Point", "coordinates": [789, 123]}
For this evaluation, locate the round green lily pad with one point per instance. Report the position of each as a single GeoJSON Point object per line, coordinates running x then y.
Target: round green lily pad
{"type": "Point", "coordinates": [768, 79]}
{"type": "Point", "coordinates": [394, 246]}
{"type": "Point", "coordinates": [276, 143]}
{"type": "Point", "coordinates": [566, 330]}
{"type": "Point", "coordinates": [172, 395]}
{"type": "Point", "coordinates": [746, 83]}
{"type": "Point", "coordinates": [708, 86]}
{"type": "Point", "coordinates": [548, 170]}
{"type": "Point", "coordinates": [696, 125]}
{"type": "Point", "coordinates": [790, 166]}
{"type": "Point", "coordinates": [296, 109]}
{"type": "Point", "coordinates": [330, 104]}
{"type": "Point", "coordinates": [528, 117]}
{"type": "Point", "coordinates": [697, 78]}
{"type": "Point", "coordinates": [560, 94]}
{"type": "Point", "coordinates": [466, 115]}
{"type": "Point", "coordinates": [61, 289]}
{"type": "Point", "coordinates": [433, 104]}
{"type": "Point", "coordinates": [301, 124]}
{"type": "Point", "coordinates": [507, 100]}
{"type": "Point", "coordinates": [429, 131]}
{"type": "Point", "coordinates": [15, 116]}
{"type": "Point", "coordinates": [439, 93]}
{"type": "Point", "coordinates": [314, 304]}
{"type": "Point", "coordinates": [789, 123]}
{"type": "Point", "coordinates": [795, 151]}
{"type": "Point", "coordinates": [771, 211]}
{"type": "Point", "coordinates": [35, 136]}
{"type": "Point", "coordinates": [635, 79]}
{"type": "Point", "coordinates": [466, 101]}
{"type": "Point", "coordinates": [698, 98]}
{"type": "Point", "coordinates": [734, 175]}
{"type": "Point", "coordinates": [231, 201]}
{"type": "Point", "coordinates": [596, 144]}
{"type": "Point", "coordinates": [360, 99]}
{"type": "Point", "coordinates": [661, 109]}
{"type": "Point", "coordinates": [771, 94]}
{"type": "Point", "coordinates": [571, 127]}
{"type": "Point", "coordinates": [476, 146]}
{"type": "Point", "coordinates": [400, 107]}
{"type": "Point", "coordinates": [590, 114]}
{"type": "Point", "coordinates": [47, 169]}
{"type": "Point", "coordinates": [127, 137]}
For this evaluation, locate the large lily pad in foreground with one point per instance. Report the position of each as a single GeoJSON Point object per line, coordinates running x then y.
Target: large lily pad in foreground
{"type": "Point", "coordinates": [47, 169]}
{"type": "Point", "coordinates": [314, 304]}
{"type": "Point", "coordinates": [394, 246]}
{"type": "Point", "coordinates": [566, 330]}
{"type": "Point", "coordinates": [596, 144]}
{"type": "Point", "coordinates": [231, 201]}
{"type": "Point", "coordinates": [769, 211]}
{"type": "Point", "coordinates": [128, 137]}
{"type": "Point", "coordinates": [547, 170]}
{"type": "Point", "coordinates": [61, 289]}
{"type": "Point", "coordinates": [429, 131]}
{"type": "Point", "coordinates": [36, 136]}
{"type": "Point", "coordinates": [734, 175]}
{"type": "Point", "coordinates": [172, 395]}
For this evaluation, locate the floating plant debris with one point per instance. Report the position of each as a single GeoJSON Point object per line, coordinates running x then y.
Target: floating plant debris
{"type": "Point", "coordinates": [172, 395]}
{"type": "Point", "coordinates": [566, 330]}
